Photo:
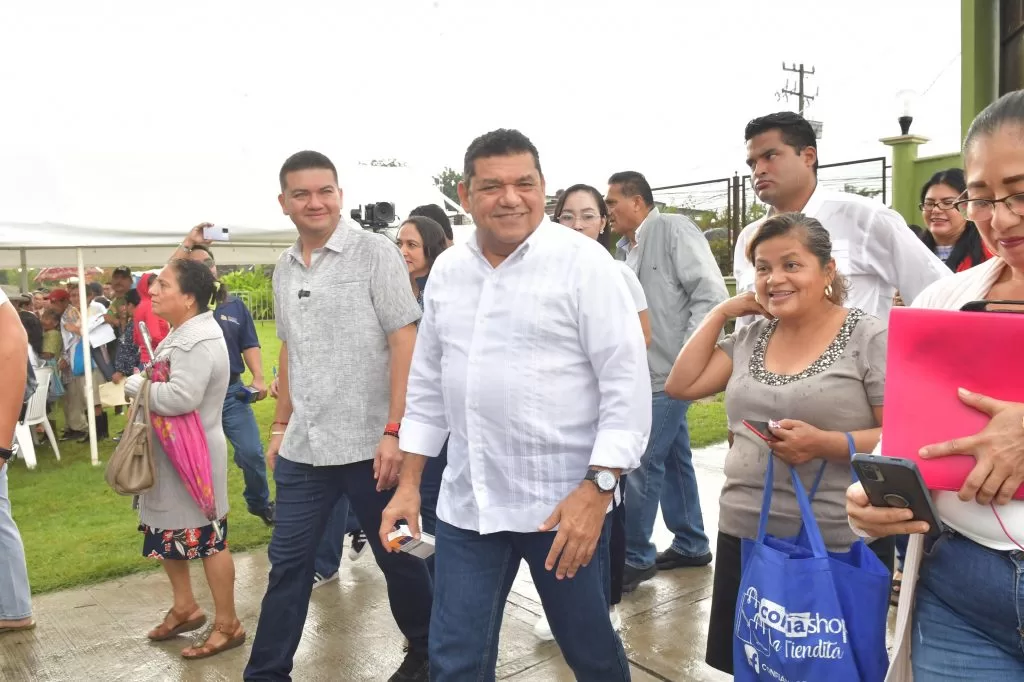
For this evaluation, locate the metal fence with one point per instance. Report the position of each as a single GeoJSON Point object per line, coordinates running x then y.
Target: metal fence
{"type": "Point", "coordinates": [259, 303]}
{"type": "Point", "coordinates": [725, 205]}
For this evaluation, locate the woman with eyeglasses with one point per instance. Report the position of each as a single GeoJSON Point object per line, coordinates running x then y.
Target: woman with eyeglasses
{"type": "Point", "coordinates": [962, 620]}
{"type": "Point", "coordinates": [950, 236]}
{"type": "Point", "coordinates": [582, 208]}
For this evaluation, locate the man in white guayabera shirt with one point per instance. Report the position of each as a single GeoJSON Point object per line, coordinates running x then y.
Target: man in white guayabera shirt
{"type": "Point", "coordinates": [530, 354]}
{"type": "Point", "coordinates": [873, 247]}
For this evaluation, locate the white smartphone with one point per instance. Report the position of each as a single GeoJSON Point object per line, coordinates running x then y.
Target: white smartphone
{"type": "Point", "coordinates": [215, 233]}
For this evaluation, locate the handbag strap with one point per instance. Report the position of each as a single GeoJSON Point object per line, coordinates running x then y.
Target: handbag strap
{"type": "Point", "coordinates": [821, 471]}
{"type": "Point", "coordinates": [803, 499]}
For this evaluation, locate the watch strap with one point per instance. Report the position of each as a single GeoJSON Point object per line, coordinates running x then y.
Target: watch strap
{"type": "Point", "coordinates": [6, 454]}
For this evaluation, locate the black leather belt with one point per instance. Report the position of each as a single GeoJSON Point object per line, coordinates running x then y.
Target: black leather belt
{"type": "Point", "coordinates": [234, 378]}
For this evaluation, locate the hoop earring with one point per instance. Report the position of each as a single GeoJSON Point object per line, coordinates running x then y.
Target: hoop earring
{"type": "Point", "coordinates": [828, 290]}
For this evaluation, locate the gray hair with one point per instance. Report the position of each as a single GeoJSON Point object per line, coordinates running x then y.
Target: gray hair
{"type": "Point", "coordinates": [812, 235]}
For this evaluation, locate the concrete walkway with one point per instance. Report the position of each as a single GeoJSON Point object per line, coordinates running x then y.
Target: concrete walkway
{"type": "Point", "coordinates": [98, 633]}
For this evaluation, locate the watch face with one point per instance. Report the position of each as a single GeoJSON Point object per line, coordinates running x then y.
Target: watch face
{"type": "Point", "coordinates": [605, 481]}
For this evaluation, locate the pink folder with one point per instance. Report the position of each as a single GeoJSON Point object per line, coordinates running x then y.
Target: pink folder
{"type": "Point", "coordinates": [931, 354]}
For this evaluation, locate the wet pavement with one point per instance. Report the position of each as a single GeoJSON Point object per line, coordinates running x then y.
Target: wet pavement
{"type": "Point", "coordinates": [98, 632]}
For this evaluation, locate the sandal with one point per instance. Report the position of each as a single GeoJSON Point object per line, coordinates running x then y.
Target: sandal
{"type": "Point", "coordinates": [235, 635]}
{"type": "Point", "coordinates": [31, 625]}
{"type": "Point", "coordinates": [166, 631]}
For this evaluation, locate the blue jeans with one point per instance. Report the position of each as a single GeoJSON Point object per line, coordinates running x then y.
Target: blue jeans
{"type": "Point", "coordinates": [668, 460]}
{"type": "Point", "coordinates": [969, 613]}
{"type": "Point", "coordinates": [474, 575]}
{"type": "Point", "coordinates": [15, 595]}
{"type": "Point", "coordinates": [332, 542]}
{"type": "Point", "coordinates": [306, 498]}
{"type": "Point", "coordinates": [244, 435]}
{"type": "Point", "coordinates": [328, 554]}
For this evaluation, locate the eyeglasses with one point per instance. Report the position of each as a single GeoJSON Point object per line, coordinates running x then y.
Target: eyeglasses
{"type": "Point", "coordinates": [585, 218]}
{"type": "Point", "coordinates": [945, 204]}
{"type": "Point", "coordinates": [984, 209]}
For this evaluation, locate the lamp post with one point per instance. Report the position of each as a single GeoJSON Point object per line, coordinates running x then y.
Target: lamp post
{"type": "Point", "coordinates": [906, 99]}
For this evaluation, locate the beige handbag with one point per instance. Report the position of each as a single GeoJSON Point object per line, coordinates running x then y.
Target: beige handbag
{"type": "Point", "coordinates": [132, 469]}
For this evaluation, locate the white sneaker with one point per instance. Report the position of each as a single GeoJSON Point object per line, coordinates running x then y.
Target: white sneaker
{"type": "Point", "coordinates": [613, 613]}
{"type": "Point", "coordinates": [542, 630]}
{"type": "Point", "coordinates": [321, 580]}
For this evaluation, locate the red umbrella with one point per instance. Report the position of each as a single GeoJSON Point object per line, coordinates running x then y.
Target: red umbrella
{"type": "Point", "coordinates": [57, 274]}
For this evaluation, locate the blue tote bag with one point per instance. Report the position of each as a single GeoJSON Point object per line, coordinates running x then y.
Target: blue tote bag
{"type": "Point", "coordinates": [806, 614]}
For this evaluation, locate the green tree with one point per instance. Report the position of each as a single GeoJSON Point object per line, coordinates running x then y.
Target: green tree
{"type": "Point", "coordinates": [448, 182]}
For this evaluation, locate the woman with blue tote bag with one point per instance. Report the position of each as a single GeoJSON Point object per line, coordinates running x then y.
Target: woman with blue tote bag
{"type": "Point", "coordinates": [809, 362]}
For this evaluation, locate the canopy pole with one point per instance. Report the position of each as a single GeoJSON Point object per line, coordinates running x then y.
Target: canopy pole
{"type": "Point", "coordinates": [87, 361]}
{"type": "Point", "coordinates": [24, 271]}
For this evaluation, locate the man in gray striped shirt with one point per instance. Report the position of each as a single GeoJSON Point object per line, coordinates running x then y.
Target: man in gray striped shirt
{"type": "Point", "coordinates": [346, 319]}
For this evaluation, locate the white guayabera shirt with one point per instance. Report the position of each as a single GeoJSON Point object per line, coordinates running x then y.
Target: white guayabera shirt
{"type": "Point", "coordinates": [537, 369]}
{"type": "Point", "coordinates": [873, 248]}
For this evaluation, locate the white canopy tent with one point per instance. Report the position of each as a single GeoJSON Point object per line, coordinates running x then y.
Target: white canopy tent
{"type": "Point", "coordinates": [132, 208]}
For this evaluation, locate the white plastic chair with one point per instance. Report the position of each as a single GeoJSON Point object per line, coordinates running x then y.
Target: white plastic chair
{"type": "Point", "coordinates": [35, 413]}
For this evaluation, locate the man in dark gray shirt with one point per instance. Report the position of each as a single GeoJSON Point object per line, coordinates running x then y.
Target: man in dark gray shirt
{"type": "Point", "coordinates": [346, 319]}
{"type": "Point", "coordinates": [682, 282]}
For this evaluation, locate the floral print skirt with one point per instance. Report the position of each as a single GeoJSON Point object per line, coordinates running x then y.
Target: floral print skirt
{"type": "Point", "coordinates": [183, 544]}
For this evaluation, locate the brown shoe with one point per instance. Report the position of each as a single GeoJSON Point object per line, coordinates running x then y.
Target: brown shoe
{"type": "Point", "coordinates": [177, 622]}
{"type": "Point", "coordinates": [229, 636]}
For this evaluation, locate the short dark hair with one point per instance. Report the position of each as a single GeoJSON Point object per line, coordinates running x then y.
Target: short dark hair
{"type": "Point", "coordinates": [197, 280]}
{"type": "Point", "coordinates": [954, 177]}
{"type": "Point", "coordinates": [795, 130]}
{"type": "Point", "coordinates": [205, 249]}
{"type": "Point", "coordinates": [634, 184]}
{"type": "Point", "coordinates": [1008, 109]}
{"type": "Point", "coordinates": [603, 238]}
{"type": "Point", "coordinates": [432, 236]}
{"type": "Point", "coordinates": [94, 289]}
{"type": "Point", "coordinates": [133, 297]}
{"type": "Point", "coordinates": [501, 142]}
{"type": "Point", "coordinates": [306, 160]}
{"type": "Point", "coordinates": [438, 215]}
{"type": "Point", "coordinates": [813, 236]}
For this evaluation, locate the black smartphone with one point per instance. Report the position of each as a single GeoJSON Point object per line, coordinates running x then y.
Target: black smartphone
{"type": "Point", "coordinates": [761, 429]}
{"type": "Point", "coordinates": [897, 482]}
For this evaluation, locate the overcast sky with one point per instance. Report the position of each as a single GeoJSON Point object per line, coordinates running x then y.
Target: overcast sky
{"type": "Point", "coordinates": [599, 85]}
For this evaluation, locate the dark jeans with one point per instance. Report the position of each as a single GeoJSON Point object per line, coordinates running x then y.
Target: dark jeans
{"type": "Point", "coordinates": [328, 554]}
{"type": "Point", "coordinates": [241, 430]}
{"type": "Point", "coordinates": [306, 497]}
{"type": "Point", "coordinates": [332, 542]}
{"type": "Point", "coordinates": [474, 576]}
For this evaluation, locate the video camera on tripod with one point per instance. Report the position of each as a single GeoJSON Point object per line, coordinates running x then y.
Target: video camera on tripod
{"type": "Point", "coordinates": [377, 216]}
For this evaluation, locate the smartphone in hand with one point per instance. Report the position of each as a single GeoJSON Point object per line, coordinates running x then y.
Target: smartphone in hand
{"type": "Point", "coordinates": [760, 429]}
{"type": "Point", "coordinates": [896, 482]}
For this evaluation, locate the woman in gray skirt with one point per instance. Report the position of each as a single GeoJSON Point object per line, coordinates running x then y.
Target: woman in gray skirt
{"type": "Point", "coordinates": [175, 530]}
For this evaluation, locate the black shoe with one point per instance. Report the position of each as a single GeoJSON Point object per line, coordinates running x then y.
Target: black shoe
{"type": "Point", "coordinates": [670, 559]}
{"type": "Point", "coordinates": [266, 515]}
{"type": "Point", "coordinates": [358, 545]}
{"type": "Point", "coordinates": [632, 577]}
{"type": "Point", "coordinates": [415, 668]}
{"type": "Point", "coordinates": [70, 434]}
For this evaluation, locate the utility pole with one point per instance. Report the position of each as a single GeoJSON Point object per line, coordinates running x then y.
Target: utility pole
{"type": "Point", "coordinates": [799, 92]}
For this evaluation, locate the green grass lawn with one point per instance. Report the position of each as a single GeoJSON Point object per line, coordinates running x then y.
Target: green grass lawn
{"type": "Point", "coordinates": [78, 531]}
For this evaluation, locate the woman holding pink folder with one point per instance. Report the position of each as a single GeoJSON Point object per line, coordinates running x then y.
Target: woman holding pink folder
{"type": "Point", "coordinates": [963, 594]}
